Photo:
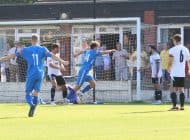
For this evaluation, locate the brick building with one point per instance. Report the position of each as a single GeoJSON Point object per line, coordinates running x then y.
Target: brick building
{"type": "Point", "coordinates": [167, 17]}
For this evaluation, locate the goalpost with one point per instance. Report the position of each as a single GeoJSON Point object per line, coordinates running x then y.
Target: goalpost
{"type": "Point", "coordinates": [73, 36]}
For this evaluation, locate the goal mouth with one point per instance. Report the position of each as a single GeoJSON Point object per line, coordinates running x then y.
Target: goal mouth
{"type": "Point", "coordinates": [73, 36]}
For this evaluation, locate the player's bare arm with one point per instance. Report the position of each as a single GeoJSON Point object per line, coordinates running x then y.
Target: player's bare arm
{"type": "Point", "coordinates": [54, 57]}
{"type": "Point", "coordinates": [8, 57]}
{"type": "Point", "coordinates": [108, 51]}
{"type": "Point", "coordinates": [78, 53]}
{"type": "Point", "coordinates": [62, 68]}
{"type": "Point", "coordinates": [188, 65]}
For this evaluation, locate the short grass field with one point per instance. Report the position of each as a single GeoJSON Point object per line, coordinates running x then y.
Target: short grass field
{"type": "Point", "coordinates": [94, 122]}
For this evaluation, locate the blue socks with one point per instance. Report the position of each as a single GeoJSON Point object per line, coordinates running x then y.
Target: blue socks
{"type": "Point", "coordinates": [87, 88]}
{"type": "Point", "coordinates": [35, 100]}
{"type": "Point", "coordinates": [29, 99]}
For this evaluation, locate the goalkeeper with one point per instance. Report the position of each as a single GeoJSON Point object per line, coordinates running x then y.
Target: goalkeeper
{"type": "Point", "coordinates": [83, 74]}
{"type": "Point", "coordinates": [34, 55]}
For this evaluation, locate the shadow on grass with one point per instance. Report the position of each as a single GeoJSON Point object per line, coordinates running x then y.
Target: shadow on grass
{"type": "Point", "coordinates": [144, 112]}
{"type": "Point", "coordinates": [13, 117]}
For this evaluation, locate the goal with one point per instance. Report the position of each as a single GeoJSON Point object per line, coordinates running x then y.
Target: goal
{"type": "Point", "coordinates": [111, 72]}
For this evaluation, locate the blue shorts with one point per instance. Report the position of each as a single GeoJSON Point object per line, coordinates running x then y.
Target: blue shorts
{"type": "Point", "coordinates": [33, 84]}
{"type": "Point", "coordinates": [83, 76]}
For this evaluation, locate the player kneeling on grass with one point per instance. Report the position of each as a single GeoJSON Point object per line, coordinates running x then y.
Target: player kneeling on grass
{"type": "Point", "coordinates": [83, 75]}
{"type": "Point", "coordinates": [34, 55]}
{"type": "Point", "coordinates": [179, 55]}
{"type": "Point", "coordinates": [55, 69]}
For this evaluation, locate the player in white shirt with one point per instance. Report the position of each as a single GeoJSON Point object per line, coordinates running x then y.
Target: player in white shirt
{"type": "Point", "coordinates": [179, 55]}
{"type": "Point", "coordinates": [156, 72]}
{"type": "Point", "coordinates": [55, 70]}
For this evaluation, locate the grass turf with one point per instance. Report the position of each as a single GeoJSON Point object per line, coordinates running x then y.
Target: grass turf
{"type": "Point", "coordinates": [94, 122]}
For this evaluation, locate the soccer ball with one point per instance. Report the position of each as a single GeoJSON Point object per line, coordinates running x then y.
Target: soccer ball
{"type": "Point", "coordinates": [63, 16]}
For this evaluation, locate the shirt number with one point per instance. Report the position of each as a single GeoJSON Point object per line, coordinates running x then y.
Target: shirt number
{"type": "Point", "coordinates": [35, 59]}
{"type": "Point", "coordinates": [181, 57]}
{"type": "Point", "coordinates": [87, 57]}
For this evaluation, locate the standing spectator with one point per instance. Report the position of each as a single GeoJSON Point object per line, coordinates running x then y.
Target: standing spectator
{"type": "Point", "coordinates": [121, 69]}
{"type": "Point", "coordinates": [7, 72]}
{"type": "Point", "coordinates": [179, 55]}
{"type": "Point", "coordinates": [3, 73]}
{"type": "Point", "coordinates": [13, 66]}
{"type": "Point", "coordinates": [164, 63]}
{"type": "Point", "coordinates": [22, 67]}
{"type": "Point", "coordinates": [144, 60]}
{"type": "Point", "coordinates": [107, 64]}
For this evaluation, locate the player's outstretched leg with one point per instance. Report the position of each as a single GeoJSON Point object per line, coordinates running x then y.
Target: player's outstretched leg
{"type": "Point", "coordinates": [72, 96]}
{"type": "Point", "coordinates": [87, 88]}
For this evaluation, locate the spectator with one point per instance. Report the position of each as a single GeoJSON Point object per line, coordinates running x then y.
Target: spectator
{"type": "Point", "coordinates": [22, 67]}
{"type": "Point", "coordinates": [13, 66]}
{"type": "Point", "coordinates": [107, 65]}
{"type": "Point", "coordinates": [164, 64]}
{"type": "Point", "coordinates": [144, 60]}
{"type": "Point", "coordinates": [3, 73]}
{"type": "Point", "coordinates": [7, 72]}
{"type": "Point", "coordinates": [121, 69]}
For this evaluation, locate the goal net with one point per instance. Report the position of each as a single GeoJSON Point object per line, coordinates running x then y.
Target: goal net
{"type": "Point", "coordinates": [112, 72]}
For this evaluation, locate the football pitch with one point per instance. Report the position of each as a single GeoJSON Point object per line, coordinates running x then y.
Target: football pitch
{"type": "Point", "coordinates": [94, 122]}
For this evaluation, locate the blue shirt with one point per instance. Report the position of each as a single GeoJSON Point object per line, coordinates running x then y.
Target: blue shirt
{"type": "Point", "coordinates": [34, 55]}
{"type": "Point", "coordinates": [89, 59]}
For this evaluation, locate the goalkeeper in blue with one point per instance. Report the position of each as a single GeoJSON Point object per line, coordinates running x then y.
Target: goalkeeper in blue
{"type": "Point", "coordinates": [34, 55]}
{"type": "Point", "coordinates": [83, 74]}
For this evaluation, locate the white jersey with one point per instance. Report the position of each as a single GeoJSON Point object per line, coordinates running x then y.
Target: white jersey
{"type": "Point", "coordinates": [180, 56]}
{"type": "Point", "coordinates": [154, 59]}
{"type": "Point", "coordinates": [53, 70]}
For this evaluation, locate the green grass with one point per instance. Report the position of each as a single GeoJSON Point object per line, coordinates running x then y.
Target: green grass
{"type": "Point", "coordinates": [94, 122]}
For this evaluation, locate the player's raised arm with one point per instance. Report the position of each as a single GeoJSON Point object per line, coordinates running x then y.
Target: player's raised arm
{"type": "Point", "coordinates": [8, 57]}
{"type": "Point", "coordinates": [107, 51]}
{"type": "Point", "coordinates": [78, 53]}
{"type": "Point", "coordinates": [60, 60]}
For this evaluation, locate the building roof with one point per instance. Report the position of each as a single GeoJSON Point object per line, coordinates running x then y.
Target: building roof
{"type": "Point", "coordinates": [98, 1]}
{"type": "Point", "coordinates": [177, 11]}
